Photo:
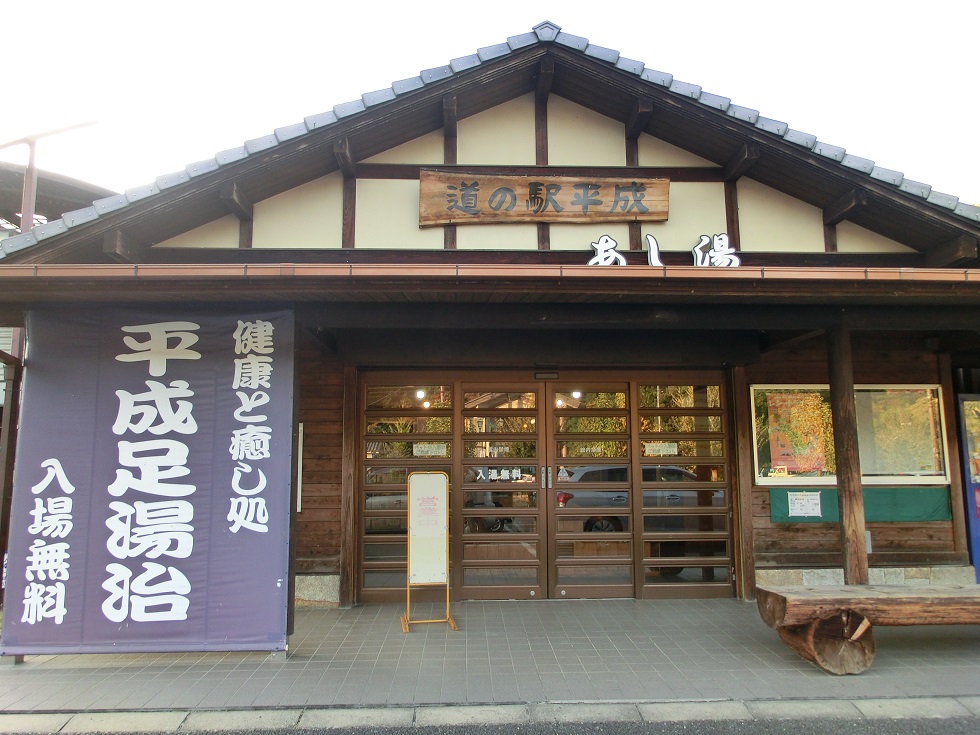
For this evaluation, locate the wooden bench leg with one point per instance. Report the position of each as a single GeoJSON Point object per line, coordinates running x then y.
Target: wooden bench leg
{"type": "Point", "coordinates": [841, 644]}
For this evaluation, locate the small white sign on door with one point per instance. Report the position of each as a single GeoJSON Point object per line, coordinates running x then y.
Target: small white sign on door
{"type": "Point", "coordinates": [804, 504]}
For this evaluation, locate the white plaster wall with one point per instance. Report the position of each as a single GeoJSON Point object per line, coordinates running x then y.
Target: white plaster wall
{"type": "Point", "coordinates": [581, 237]}
{"type": "Point", "coordinates": [503, 135]}
{"type": "Point", "coordinates": [854, 239]}
{"type": "Point", "coordinates": [580, 137]}
{"type": "Point", "coordinates": [694, 209]}
{"type": "Point", "coordinates": [309, 216]}
{"type": "Point", "coordinates": [427, 149]}
{"type": "Point", "coordinates": [770, 221]}
{"type": "Point", "coordinates": [388, 217]}
{"type": "Point", "coordinates": [497, 237]}
{"type": "Point", "coordinates": [655, 152]}
{"type": "Point", "coordinates": [222, 233]}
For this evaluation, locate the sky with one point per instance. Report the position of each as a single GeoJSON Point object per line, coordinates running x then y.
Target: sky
{"type": "Point", "coordinates": [168, 84]}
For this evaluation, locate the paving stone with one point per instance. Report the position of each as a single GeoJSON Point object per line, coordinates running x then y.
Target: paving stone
{"type": "Point", "coordinates": [583, 712]}
{"type": "Point", "coordinates": [911, 707]}
{"type": "Point", "coordinates": [686, 711]}
{"type": "Point", "coordinates": [253, 719]}
{"type": "Point", "coordinates": [125, 722]}
{"type": "Point", "coordinates": [802, 709]}
{"type": "Point", "coordinates": [500, 714]}
{"type": "Point", "coordinates": [31, 723]}
{"type": "Point", "coordinates": [333, 719]}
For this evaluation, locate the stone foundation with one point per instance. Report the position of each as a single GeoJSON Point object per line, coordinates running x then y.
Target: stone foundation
{"type": "Point", "coordinates": [317, 590]}
{"type": "Point", "coordinates": [912, 576]}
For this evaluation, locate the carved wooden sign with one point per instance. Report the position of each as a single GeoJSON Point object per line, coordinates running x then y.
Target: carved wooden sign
{"type": "Point", "coordinates": [459, 198]}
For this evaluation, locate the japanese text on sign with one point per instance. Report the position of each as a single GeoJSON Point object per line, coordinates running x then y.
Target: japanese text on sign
{"type": "Point", "coordinates": [459, 198]}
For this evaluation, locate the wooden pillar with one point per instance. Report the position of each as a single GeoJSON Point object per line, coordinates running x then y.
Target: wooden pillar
{"type": "Point", "coordinates": [844, 414]}
{"type": "Point", "coordinates": [349, 563]}
{"type": "Point", "coordinates": [8, 437]}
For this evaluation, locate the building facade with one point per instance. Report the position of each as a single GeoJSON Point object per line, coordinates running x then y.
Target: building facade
{"type": "Point", "coordinates": [661, 345]}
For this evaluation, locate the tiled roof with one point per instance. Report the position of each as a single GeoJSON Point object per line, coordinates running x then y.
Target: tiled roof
{"type": "Point", "coordinates": [546, 32]}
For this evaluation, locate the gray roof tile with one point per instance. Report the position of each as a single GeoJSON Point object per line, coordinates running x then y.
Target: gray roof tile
{"type": "Point", "coordinates": [370, 99]}
{"type": "Point", "coordinates": [943, 200]}
{"type": "Point", "coordinates": [772, 126]}
{"type": "Point", "coordinates": [429, 76]}
{"type": "Point", "coordinates": [715, 100]}
{"type": "Point", "coordinates": [464, 62]}
{"type": "Point", "coordinates": [50, 229]}
{"type": "Point", "coordinates": [202, 167]}
{"type": "Point", "coordinates": [829, 151]}
{"type": "Point", "coordinates": [602, 53]}
{"type": "Point", "coordinates": [346, 109]}
{"type": "Point", "coordinates": [80, 216]}
{"type": "Point", "coordinates": [319, 121]}
{"type": "Point", "coordinates": [804, 139]}
{"type": "Point", "coordinates": [864, 165]}
{"type": "Point", "coordinates": [970, 211]}
{"type": "Point", "coordinates": [522, 40]}
{"type": "Point", "coordinates": [141, 192]}
{"type": "Point", "coordinates": [168, 180]}
{"type": "Point", "coordinates": [290, 131]}
{"type": "Point", "coordinates": [630, 65]}
{"type": "Point", "coordinates": [657, 77]}
{"type": "Point", "coordinates": [110, 204]}
{"type": "Point", "coordinates": [257, 145]}
{"type": "Point", "coordinates": [915, 188]}
{"type": "Point", "coordinates": [688, 90]}
{"type": "Point", "coordinates": [894, 178]}
{"type": "Point", "coordinates": [407, 85]}
{"type": "Point", "coordinates": [231, 156]}
{"type": "Point", "coordinates": [576, 42]}
{"type": "Point", "coordinates": [492, 52]}
{"type": "Point", "coordinates": [744, 113]}
{"type": "Point", "coordinates": [11, 245]}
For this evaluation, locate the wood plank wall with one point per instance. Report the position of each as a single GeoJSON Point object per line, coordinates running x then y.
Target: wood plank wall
{"type": "Point", "coordinates": [321, 407]}
{"type": "Point", "coordinates": [878, 359]}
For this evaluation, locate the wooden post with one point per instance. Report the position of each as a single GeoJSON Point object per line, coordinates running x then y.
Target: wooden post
{"type": "Point", "coordinates": [844, 415]}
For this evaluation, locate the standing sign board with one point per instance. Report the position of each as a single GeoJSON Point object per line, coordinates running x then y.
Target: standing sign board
{"type": "Point", "coordinates": [428, 539]}
{"type": "Point", "coordinates": [970, 431]}
{"type": "Point", "coordinates": [151, 495]}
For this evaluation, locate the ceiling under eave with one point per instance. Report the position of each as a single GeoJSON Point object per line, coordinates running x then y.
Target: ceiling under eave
{"type": "Point", "coordinates": [705, 125]}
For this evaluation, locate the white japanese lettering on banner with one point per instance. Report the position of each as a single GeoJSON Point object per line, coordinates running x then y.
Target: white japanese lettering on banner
{"type": "Point", "coordinates": [47, 565]}
{"type": "Point", "coordinates": [252, 442]}
{"type": "Point", "coordinates": [159, 524]}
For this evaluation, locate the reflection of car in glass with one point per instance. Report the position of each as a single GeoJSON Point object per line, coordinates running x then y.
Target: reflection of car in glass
{"type": "Point", "coordinates": [572, 497]}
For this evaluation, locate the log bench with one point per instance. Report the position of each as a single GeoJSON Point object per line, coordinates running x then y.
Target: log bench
{"type": "Point", "coordinates": [832, 626]}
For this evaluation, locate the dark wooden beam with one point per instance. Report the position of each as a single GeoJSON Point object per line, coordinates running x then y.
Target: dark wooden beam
{"type": "Point", "coordinates": [123, 248]}
{"type": "Point", "coordinates": [844, 416]}
{"type": "Point", "coordinates": [345, 159]}
{"type": "Point", "coordinates": [7, 359]}
{"type": "Point", "coordinates": [348, 485]}
{"type": "Point", "coordinates": [839, 210]}
{"type": "Point", "coordinates": [235, 200]}
{"type": "Point", "coordinates": [770, 344]}
{"type": "Point", "coordinates": [450, 155]}
{"type": "Point", "coordinates": [951, 254]}
{"type": "Point", "coordinates": [546, 79]}
{"type": "Point", "coordinates": [639, 117]}
{"type": "Point", "coordinates": [741, 162]}
{"type": "Point", "coordinates": [450, 118]}
{"type": "Point", "coordinates": [731, 215]}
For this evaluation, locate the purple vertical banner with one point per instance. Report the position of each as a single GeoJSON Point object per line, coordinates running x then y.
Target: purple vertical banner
{"type": "Point", "coordinates": [151, 494]}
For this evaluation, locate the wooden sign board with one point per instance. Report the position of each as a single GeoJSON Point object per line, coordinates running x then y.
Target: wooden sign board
{"type": "Point", "coordinates": [459, 198]}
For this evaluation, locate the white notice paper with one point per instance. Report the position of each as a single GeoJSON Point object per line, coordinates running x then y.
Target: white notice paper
{"type": "Point", "coordinates": [804, 504]}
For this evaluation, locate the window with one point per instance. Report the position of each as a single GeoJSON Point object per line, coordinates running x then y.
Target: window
{"type": "Point", "coordinates": [900, 434]}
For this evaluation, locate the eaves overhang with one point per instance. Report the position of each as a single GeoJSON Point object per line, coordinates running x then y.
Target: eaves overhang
{"type": "Point", "coordinates": [24, 285]}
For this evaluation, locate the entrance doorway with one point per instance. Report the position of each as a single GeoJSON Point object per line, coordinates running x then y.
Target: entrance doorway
{"type": "Point", "coordinates": [569, 485]}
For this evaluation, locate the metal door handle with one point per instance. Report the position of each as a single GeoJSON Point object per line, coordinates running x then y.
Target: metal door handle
{"type": "Point", "coordinates": [550, 483]}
